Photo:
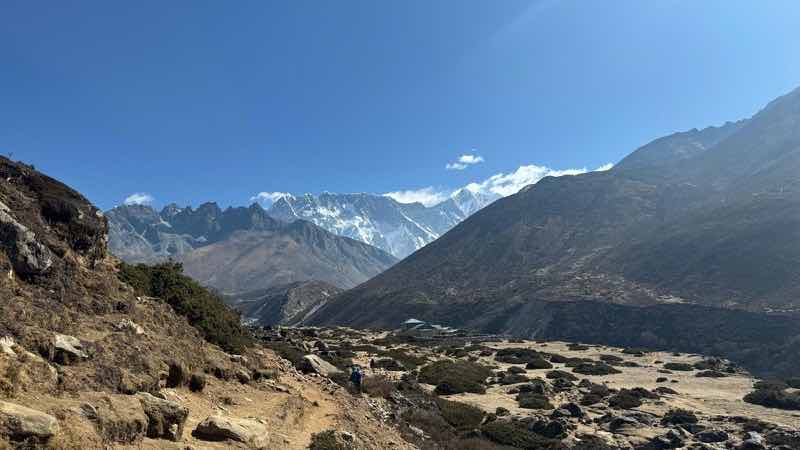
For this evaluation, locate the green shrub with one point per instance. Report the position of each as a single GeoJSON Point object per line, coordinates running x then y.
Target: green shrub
{"type": "Point", "coordinates": [625, 399]}
{"type": "Point", "coordinates": [204, 310]}
{"type": "Point", "coordinates": [679, 417]}
{"type": "Point", "coordinates": [517, 435]}
{"type": "Point", "coordinates": [538, 364]}
{"type": "Point", "coordinates": [772, 398]}
{"type": "Point", "coordinates": [517, 355]}
{"type": "Point", "coordinates": [460, 415]}
{"type": "Point", "coordinates": [455, 377]}
{"type": "Point", "coordinates": [408, 360]}
{"type": "Point", "coordinates": [378, 386]}
{"type": "Point", "coordinates": [515, 370]}
{"type": "Point", "coordinates": [530, 400]}
{"type": "Point", "coordinates": [770, 385]}
{"type": "Point", "coordinates": [595, 369]}
{"type": "Point", "coordinates": [611, 359]}
{"type": "Point", "coordinates": [556, 374]}
{"type": "Point", "coordinates": [681, 367]}
{"type": "Point", "coordinates": [513, 378]}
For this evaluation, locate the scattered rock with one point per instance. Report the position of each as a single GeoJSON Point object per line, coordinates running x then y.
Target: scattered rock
{"type": "Point", "coordinates": [165, 418]}
{"type": "Point", "coordinates": [220, 428]}
{"type": "Point", "coordinates": [243, 376]}
{"type": "Point", "coordinates": [68, 350]}
{"type": "Point", "coordinates": [20, 423]}
{"type": "Point", "coordinates": [117, 418]}
{"type": "Point", "coordinates": [320, 366]}
{"type": "Point", "coordinates": [711, 436]}
{"type": "Point", "coordinates": [129, 326]}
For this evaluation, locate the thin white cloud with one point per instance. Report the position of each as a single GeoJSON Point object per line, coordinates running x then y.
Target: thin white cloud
{"type": "Point", "coordinates": [506, 184]}
{"type": "Point", "coordinates": [604, 167]}
{"type": "Point", "coordinates": [464, 161]}
{"type": "Point", "coordinates": [428, 196]}
{"type": "Point", "coordinates": [269, 197]}
{"type": "Point", "coordinates": [139, 198]}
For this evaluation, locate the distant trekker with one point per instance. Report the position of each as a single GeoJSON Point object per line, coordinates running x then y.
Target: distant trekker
{"type": "Point", "coordinates": [355, 377]}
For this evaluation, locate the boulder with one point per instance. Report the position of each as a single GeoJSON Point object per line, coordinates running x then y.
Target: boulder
{"type": "Point", "coordinates": [711, 436]}
{"type": "Point", "coordinates": [68, 349]}
{"type": "Point", "coordinates": [7, 345]}
{"type": "Point", "coordinates": [21, 423]}
{"type": "Point", "coordinates": [318, 365]}
{"type": "Point", "coordinates": [221, 428]}
{"type": "Point", "coordinates": [27, 255]}
{"type": "Point", "coordinates": [117, 418]}
{"type": "Point", "coordinates": [129, 326]}
{"type": "Point", "coordinates": [165, 418]}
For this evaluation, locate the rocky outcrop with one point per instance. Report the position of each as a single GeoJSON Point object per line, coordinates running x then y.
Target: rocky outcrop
{"type": "Point", "coordinates": [166, 418]}
{"type": "Point", "coordinates": [68, 349]}
{"type": "Point", "coordinates": [27, 255]}
{"type": "Point", "coordinates": [320, 366]}
{"type": "Point", "coordinates": [117, 418]}
{"type": "Point", "coordinates": [20, 423]}
{"type": "Point", "coordinates": [220, 428]}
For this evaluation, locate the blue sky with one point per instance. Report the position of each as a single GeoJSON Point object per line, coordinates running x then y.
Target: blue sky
{"type": "Point", "coordinates": [196, 101]}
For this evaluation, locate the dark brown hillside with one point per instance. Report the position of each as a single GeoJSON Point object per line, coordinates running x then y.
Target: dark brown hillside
{"type": "Point", "coordinates": [706, 217]}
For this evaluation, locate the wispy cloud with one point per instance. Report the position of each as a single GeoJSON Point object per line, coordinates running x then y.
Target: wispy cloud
{"type": "Point", "coordinates": [464, 161]}
{"type": "Point", "coordinates": [428, 196]}
{"type": "Point", "coordinates": [139, 198]}
{"type": "Point", "coordinates": [501, 184]}
{"type": "Point", "coordinates": [269, 197]}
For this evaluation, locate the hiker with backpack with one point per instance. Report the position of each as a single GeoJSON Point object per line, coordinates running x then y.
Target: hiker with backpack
{"type": "Point", "coordinates": [355, 377]}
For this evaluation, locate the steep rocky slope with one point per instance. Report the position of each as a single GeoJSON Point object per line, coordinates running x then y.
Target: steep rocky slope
{"type": "Point", "coordinates": [379, 220]}
{"type": "Point", "coordinates": [85, 363]}
{"type": "Point", "coordinates": [241, 249]}
{"type": "Point", "coordinates": [705, 217]}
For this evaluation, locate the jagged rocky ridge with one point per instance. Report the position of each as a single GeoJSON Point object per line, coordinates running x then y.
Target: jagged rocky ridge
{"type": "Point", "coordinates": [707, 217]}
{"type": "Point", "coordinates": [397, 228]}
{"type": "Point", "coordinates": [241, 249]}
{"type": "Point", "coordinates": [287, 304]}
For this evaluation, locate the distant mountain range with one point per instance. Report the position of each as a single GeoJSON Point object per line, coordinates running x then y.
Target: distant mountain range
{"type": "Point", "coordinates": [706, 217]}
{"type": "Point", "coordinates": [286, 304]}
{"type": "Point", "coordinates": [378, 220]}
{"type": "Point", "coordinates": [241, 249]}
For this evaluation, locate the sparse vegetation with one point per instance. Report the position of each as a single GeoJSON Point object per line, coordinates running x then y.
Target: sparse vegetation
{"type": "Point", "coordinates": [515, 434]}
{"type": "Point", "coordinates": [205, 310]}
{"type": "Point", "coordinates": [773, 398]}
{"type": "Point", "coordinates": [680, 367]}
{"type": "Point", "coordinates": [530, 400]}
{"type": "Point", "coordinates": [517, 355]}
{"type": "Point", "coordinates": [455, 377]}
{"type": "Point", "coordinates": [679, 417]}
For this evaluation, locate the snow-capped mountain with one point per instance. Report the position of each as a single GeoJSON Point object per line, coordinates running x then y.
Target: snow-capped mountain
{"type": "Point", "coordinates": [381, 221]}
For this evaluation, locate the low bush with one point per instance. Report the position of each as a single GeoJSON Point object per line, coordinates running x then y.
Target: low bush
{"type": "Point", "coordinates": [773, 398]}
{"type": "Point", "coordinates": [203, 309]}
{"type": "Point", "coordinates": [516, 434]}
{"type": "Point", "coordinates": [460, 416]}
{"type": "Point", "coordinates": [555, 374]}
{"type": "Point", "coordinates": [681, 367]}
{"type": "Point", "coordinates": [577, 347]}
{"type": "Point", "coordinates": [517, 355]}
{"type": "Point", "coordinates": [611, 359]}
{"type": "Point", "coordinates": [679, 417]}
{"type": "Point", "coordinates": [538, 364]}
{"type": "Point", "coordinates": [595, 369]}
{"type": "Point", "coordinates": [711, 374]}
{"type": "Point", "coordinates": [515, 370]}
{"type": "Point", "coordinates": [455, 377]}
{"type": "Point", "coordinates": [529, 400]}
{"type": "Point", "coordinates": [770, 385]}
{"type": "Point", "coordinates": [408, 360]}
{"type": "Point", "coordinates": [625, 399]}
{"type": "Point", "coordinates": [378, 386]}
{"type": "Point", "coordinates": [513, 378]}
